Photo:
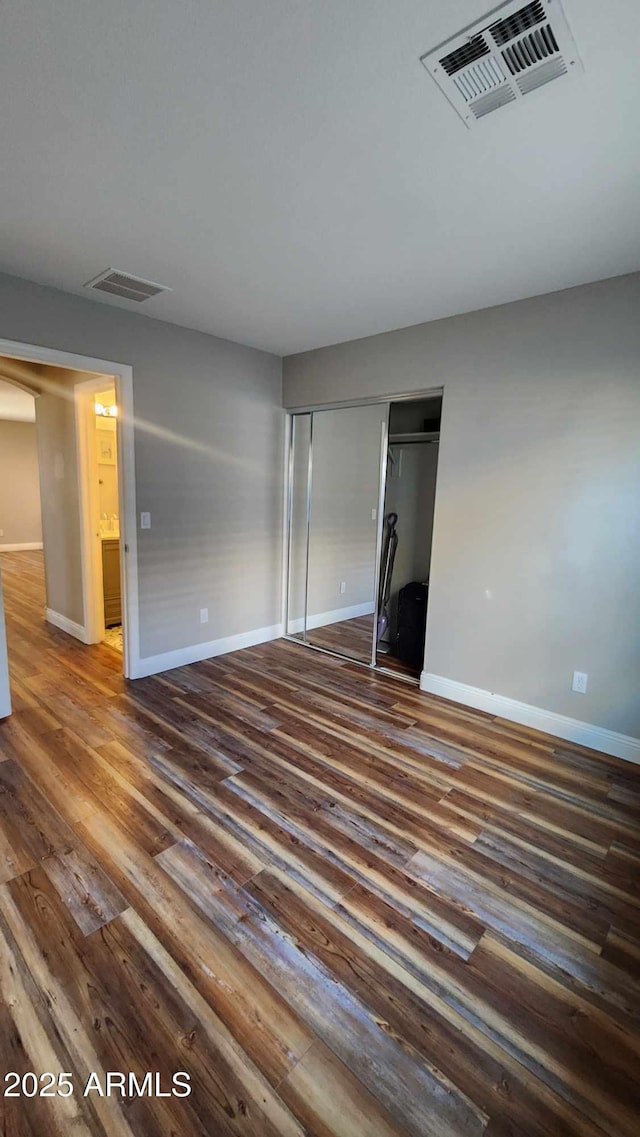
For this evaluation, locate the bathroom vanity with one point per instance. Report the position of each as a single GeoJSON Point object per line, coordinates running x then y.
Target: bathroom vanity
{"type": "Point", "coordinates": [111, 580]}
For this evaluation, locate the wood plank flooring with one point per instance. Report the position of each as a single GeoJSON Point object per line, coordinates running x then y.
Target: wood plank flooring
{"type": "Point", "coordinates": [343, 907]}
{"type": "Point", "coordinates": [353, 638]}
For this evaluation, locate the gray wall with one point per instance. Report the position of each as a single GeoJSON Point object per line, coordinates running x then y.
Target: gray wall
{"type": "Point", "coordinates": [56, 430]}
{"type": "Point", "coordinates": [536, 542]}
{"type": "Point", "coordinates": [19, 485]}
{"type": "Point", "coordinates": [209, 461]}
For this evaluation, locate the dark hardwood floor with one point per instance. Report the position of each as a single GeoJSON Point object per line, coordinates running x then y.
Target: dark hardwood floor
{"type": "Point", "coordinates": [342, 906]}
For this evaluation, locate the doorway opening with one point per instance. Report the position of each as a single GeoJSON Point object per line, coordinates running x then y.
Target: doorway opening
{"type": "Point", "coordinates": [412, 465]}
{"type": "Point", "coordinates": [84, 431]}
{"type": "Point", "coordinates": [361, 496]}
{"type": "Point", "coordinates": [97, 416]}
{"type": "Point", "coordinates": [20, 510]}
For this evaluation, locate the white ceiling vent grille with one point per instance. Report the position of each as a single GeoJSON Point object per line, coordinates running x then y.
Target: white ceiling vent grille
{"type": "Point", "coordinates": [126, 286]}
{"type": "Point", "coordinates": [498, 61]}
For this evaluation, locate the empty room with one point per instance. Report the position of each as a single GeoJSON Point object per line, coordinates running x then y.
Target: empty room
{"type": "Point", "coordinates": [319, 585]}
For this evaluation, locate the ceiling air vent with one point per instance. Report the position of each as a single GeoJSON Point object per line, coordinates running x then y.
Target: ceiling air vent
{"type": "Point", "coordinates": [126, 286]}
{"type": "Point", "coordinates": [512, 51]}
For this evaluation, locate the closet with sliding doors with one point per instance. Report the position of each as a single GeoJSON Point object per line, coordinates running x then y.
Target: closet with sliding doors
{"type": "Point", "coordinates": [361, 497]}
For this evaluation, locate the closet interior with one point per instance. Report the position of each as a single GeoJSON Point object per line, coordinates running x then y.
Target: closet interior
{"type": "Point", "coordinates": [362, 484]}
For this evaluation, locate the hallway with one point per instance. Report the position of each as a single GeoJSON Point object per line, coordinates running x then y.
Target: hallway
{"type": "Point", "coordinates": [343, 907]}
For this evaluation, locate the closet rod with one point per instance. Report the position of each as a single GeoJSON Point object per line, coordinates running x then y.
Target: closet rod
{"type": "Point", "coordinates": [416, 436]}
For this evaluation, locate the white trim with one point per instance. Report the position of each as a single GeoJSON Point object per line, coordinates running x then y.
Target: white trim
{"type": "Point", "coordinates": [584, 733]}
{"type": "Point", "coordinates": [334, 617]}
{"type": "Point", "coordinates": [153, 664]}
{"type": "Point", "coordinates": [382, 498]}
{"type": "Point", "coordinates": [5, 685]}
{"type": "Point", "coordinates": [125, 443]}
{"type": "Point", "coordinates": [123, 375]}
{"type": "Point", "coordinates": [367, 401]}
{"type": "Point", "coordinates": [22, 548]}
{"type": "Point", "coordinates": [66, 625]}
{"type": "Point", "coordinates": [286, 515]}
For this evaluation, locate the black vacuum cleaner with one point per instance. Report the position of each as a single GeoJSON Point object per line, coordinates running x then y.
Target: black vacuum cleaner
{"type": "Point", "coordinates": [408, 644]}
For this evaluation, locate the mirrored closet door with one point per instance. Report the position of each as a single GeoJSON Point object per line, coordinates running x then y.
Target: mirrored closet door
{"type": "Point", "coordinates": [298, 544]}
{"type": "Point", "coordinates": [362, 484]}
{"type": "Point", "coordinates": [337, 471]}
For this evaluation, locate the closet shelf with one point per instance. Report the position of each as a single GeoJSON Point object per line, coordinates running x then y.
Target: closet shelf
{"type": "Point", "coordinates": [415, 436]}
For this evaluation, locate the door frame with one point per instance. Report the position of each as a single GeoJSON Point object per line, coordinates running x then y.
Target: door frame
{"type": "Point", "coordinates": [122, 375]}
{"type": "Point", "coordinates": [382, 495]}
{"type": "Point", "coordinates": [291, 413]}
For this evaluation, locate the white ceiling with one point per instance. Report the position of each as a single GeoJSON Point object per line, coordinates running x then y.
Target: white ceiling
{"type": "Point", "coordinates": [16, 404]}
{"type": "Point", "coordinates": [291, 170]}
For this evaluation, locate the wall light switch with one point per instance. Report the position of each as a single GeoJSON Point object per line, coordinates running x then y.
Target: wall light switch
{"type": "Point", "coordinates": [204, 615]}
{"type": "Point", "coordinates": [580, 682]}
{"type": "Point", "coordinates": [145, 520]}
{"type": "Point", "coordinates": [374, 514]}
{"type": "Point", "coordinates": [343, 586]}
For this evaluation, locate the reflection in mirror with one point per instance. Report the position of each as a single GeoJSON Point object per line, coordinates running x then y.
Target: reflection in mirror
{"type": "Point", "coordinates": [343, 529]}
{"type": "Point", "coordinates": [298, 505]}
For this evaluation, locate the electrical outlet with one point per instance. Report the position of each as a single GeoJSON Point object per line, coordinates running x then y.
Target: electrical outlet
{"type": "Point", "coordinates": [204, 615]}
{"type": "Point", "coordinates": [343, 586]}
{"type": "Point", "coordinates": [145, 520]}
{"type": "Point", "coordinates": [580, 682]}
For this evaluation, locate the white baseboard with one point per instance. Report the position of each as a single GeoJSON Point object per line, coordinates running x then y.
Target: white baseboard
{"type": "Point", "coordinates": [67, 625]}
{"type": "Point", "coordinates": [333, 617]}
{"type": "Point", "coordinates": [21, 548]}
{"type": "Point", "coordinates": [166, 661]}
{"type": "Point", "coordinates": [584, 733]}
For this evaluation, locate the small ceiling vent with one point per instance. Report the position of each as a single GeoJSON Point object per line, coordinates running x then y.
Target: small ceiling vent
{"type": "Point", "coordinates": [513, 50]}
{"type": "Point", "coordinates": [126, 286]}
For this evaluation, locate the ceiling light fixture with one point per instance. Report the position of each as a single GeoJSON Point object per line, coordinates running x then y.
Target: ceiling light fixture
{"type": "Point", "coordinates": [106, 412]}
